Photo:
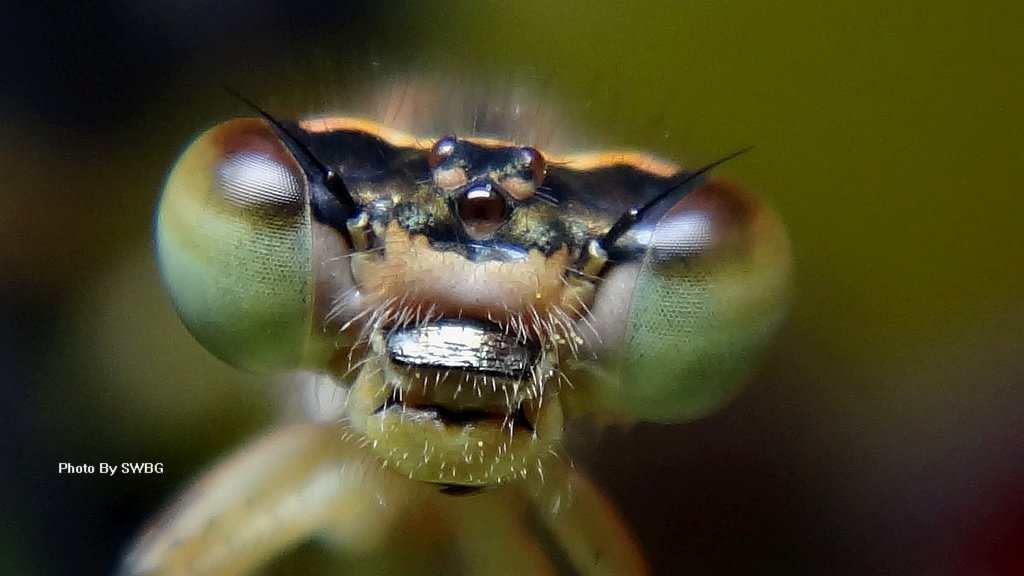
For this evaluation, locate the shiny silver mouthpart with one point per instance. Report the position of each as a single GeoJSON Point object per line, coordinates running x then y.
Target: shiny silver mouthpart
{"type": "Point", "coordinates": [461, 344]}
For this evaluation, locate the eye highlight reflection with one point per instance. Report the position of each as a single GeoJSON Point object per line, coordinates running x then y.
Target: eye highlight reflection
{"type": "Point", "coordinates": [482, 210]}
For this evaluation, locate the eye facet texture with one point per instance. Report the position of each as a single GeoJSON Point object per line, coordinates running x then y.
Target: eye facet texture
{"type": "Point", "coordinates": [685, 325]}
{"type": "Point", "coordinates": [234, 246]}
{"type": "Point", "coordinates": [258, 181]}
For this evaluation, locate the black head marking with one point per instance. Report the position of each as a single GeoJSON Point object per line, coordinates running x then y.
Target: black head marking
{"type": "Point", "coordinates": [338, 203]}
{"type": "Point", "coordinates": [635, 215]}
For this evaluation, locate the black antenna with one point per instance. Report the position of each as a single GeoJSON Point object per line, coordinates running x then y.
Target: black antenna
{"type": "Point", "coordinates": [634, 215]}
{"type": "Point", "coordinates": [331, 179]}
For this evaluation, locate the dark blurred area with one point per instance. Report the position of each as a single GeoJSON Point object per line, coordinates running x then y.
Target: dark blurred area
{"type": "Point", "coordinates": [883, 434]}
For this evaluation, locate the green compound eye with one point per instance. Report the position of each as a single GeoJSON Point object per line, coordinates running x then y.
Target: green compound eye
{"type": "Point", "coordinates": [682, 326]}
{"type": "Point", "coordinates": [236, 250]}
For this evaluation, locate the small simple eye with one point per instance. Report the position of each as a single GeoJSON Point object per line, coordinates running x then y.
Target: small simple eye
{"type": "Point", "coordinates": [536, 164]}
{"type": "Point", "coordinates": [482, 211]}
{"type": "Point", "coordinates": [441, 151]}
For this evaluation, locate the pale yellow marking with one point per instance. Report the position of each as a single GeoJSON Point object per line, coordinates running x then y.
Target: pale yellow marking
{"type": "Point", "coordinates": [638, 160]}
{"type": "Point", "coordinates": [585, 161]}
{"type": "Point", "coordinates": [518, 188]}
{"type": "Point", "coordinates": [340, 123]}
{"type": "Point", "coordinates": [414, 271]}
{"type": "Point", "coordinates": [450, 179]}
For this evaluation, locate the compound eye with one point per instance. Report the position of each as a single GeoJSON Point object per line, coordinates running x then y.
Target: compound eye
{"type": "Point", "coordinates": [441, 151]}
{"type": "Point", "coordinates": [700, 288]}
{"type": "Point", "coordinates": [536, 164]}
{"type": "Point", "coordinates": [235, 247]}
{"type": "Point", "coordinates": [482, 210]}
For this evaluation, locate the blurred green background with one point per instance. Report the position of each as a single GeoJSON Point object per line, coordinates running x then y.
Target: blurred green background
{"type": "Point", "coordinates": [883, 434]}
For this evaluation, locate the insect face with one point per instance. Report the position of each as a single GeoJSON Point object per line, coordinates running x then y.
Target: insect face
{"type": "Point", "coordinates": [470, 292]}
{"type": "Point", "coordinates": [465, 295]}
